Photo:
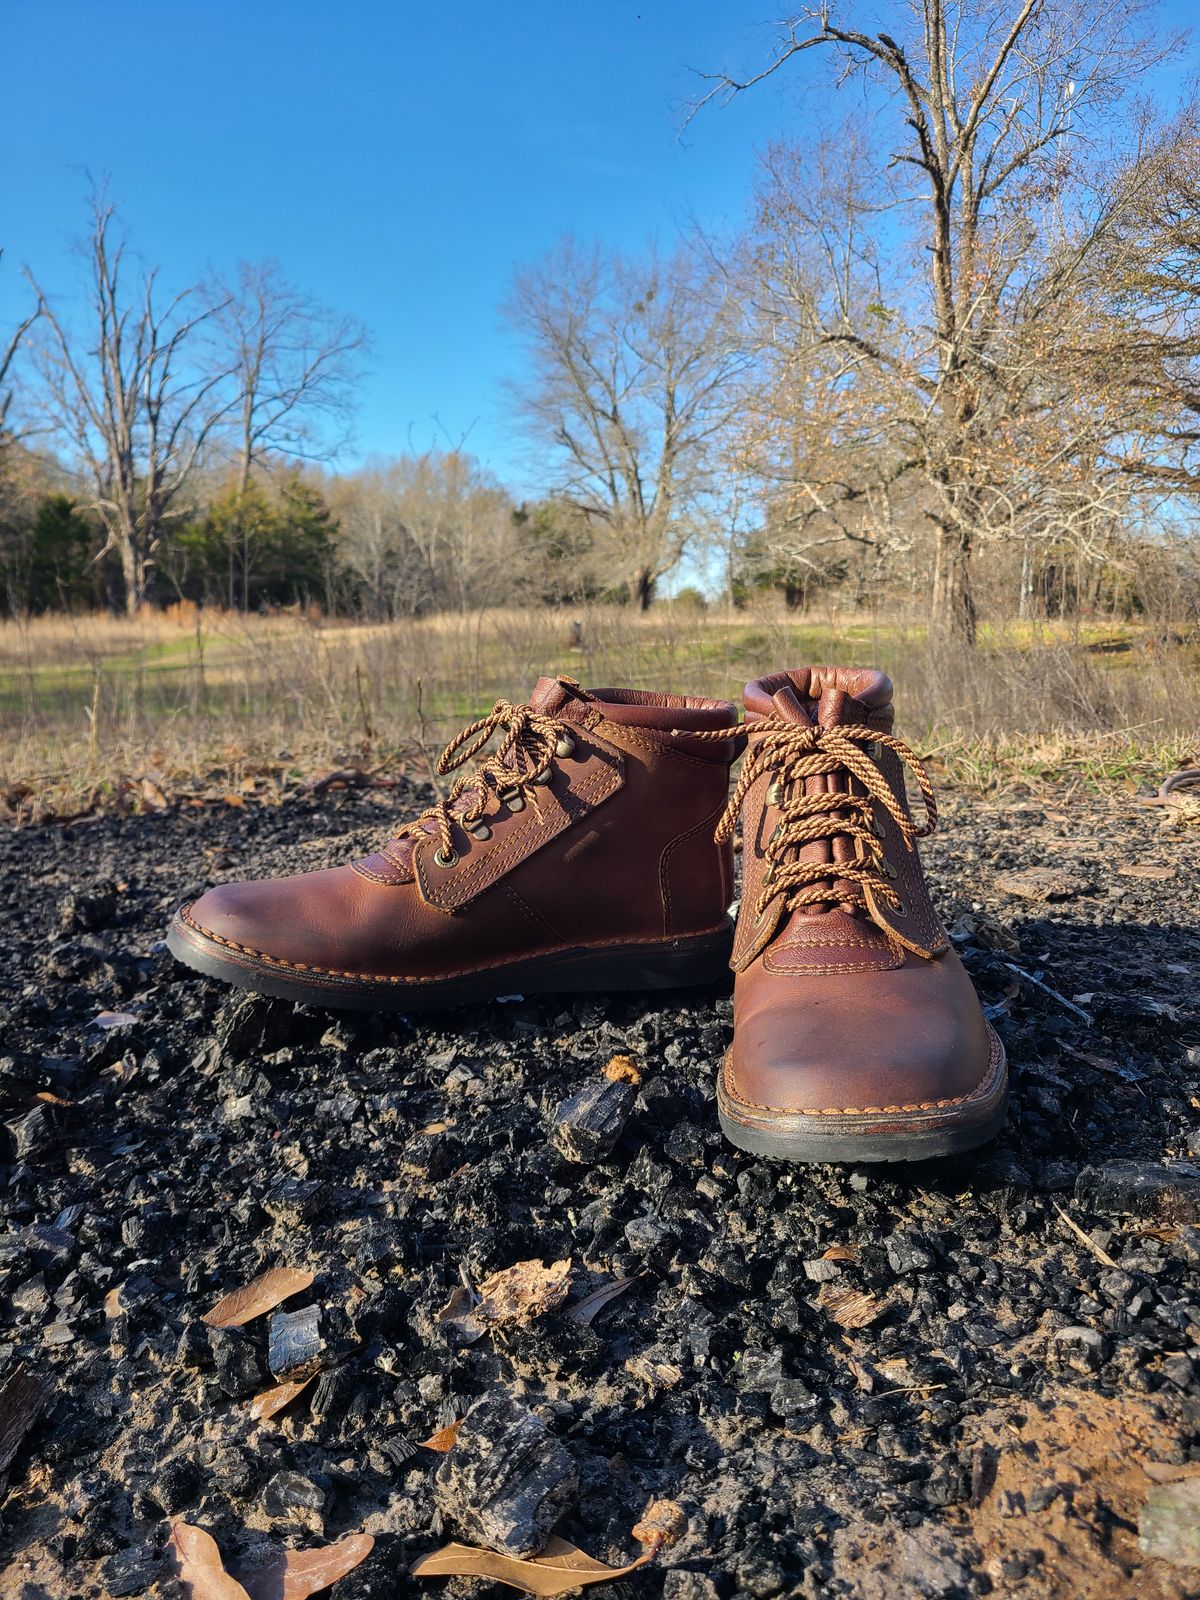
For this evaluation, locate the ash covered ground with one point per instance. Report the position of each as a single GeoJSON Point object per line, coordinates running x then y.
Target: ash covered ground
{"type": "Point", "coordinates": [986, 1430]}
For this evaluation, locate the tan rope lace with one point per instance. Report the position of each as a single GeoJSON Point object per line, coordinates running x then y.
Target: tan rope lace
{"type": "Point", "coordinates": [792, 755]}
{"type": "Point", "coordinates": [520, 763]}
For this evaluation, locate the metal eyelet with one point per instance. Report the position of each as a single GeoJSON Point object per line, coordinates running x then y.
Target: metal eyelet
{"type": "Point", "coordinates": [889, 871]}
{"type": "Point", "coordinates": [542, 778]}
{"type": "Point", "coordinates": [768, 875]}
{"type": "Point", "coordinates": [901, 908]}
{"type": "Point", "coordinates": [565, 747]}
{"type": "Point", "coordinates": [877, 828]}
{"type": "Point", "coordinates": [873, 749]}
{"type": "Point", "coordinates": [513, 799]}
{"type": "Point", "coordinates": [774, 793]}
{"type": "Point", "coordinates": [479, 830]}
{"type": "Point", "coordinates": [446, 861]}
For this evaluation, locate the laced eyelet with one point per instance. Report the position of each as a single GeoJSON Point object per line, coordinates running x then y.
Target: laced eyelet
{"type": "Point", "coordinates": [565, 747]}
{"type": "Point", "coordinates": [901, 909]}
{"type": "Point", "coordinates": [542, 778]}
{"type": "Point", "coordinates": [480, 830]}
{"type": "Point", "coordinates": [450, 860]}
{"type": "Point", "coordinates": [774, 793]}
{"type": "Point", "coordinates": [873, 749]}
{"type": "Point", "coordinates": [513, 799]}
{"type": "Point", "coordinates": [889, 871]}
{"type": "Point", "coordinates": [877, 827]}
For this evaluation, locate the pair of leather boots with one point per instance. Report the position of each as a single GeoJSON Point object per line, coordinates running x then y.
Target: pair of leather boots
{"type": "Point", "coordinates": [592, 850]}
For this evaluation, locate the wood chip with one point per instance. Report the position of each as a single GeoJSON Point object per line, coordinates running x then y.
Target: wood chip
{"type": "Point", "coordinates": [560, 1568]}
{"type": "Point", "coordinates": [851, 1308]}
{"type": "Point", "coordinates": [1041, 883]}
{"type": "Point", "coordinates": [661, 1524]}
{"type": "Point", "coordinates": [1135, 869]}
{"type": "Point", "coordinates": [1170, 1471]}
{"type": "Point", "coordinates": [583, 1311]}
{"type": "Point", "coordinates": [300, 1573]}
{"type": "Point", "coordinates": [199, 1567]}
{"type": "Point", "coordinates": [260, 1295]}
{"type": "Point", "coordinates": [514, 1295]}
{"type": "Point", "coordinates": [273, 1400]}
{"type": "Point", "coordinates": [623, 1069]}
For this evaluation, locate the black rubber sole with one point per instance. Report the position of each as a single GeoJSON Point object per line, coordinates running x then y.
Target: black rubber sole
{"type": "Point", "coordinates": [669, 964]}
{"type": "Point", "coordinates": [868, 1137]}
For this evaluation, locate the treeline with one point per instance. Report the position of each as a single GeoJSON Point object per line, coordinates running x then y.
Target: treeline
{"type": "Point", "coordinates": [953, 355]}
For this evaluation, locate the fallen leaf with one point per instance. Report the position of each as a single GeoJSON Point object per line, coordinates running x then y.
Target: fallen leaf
{"type": "Point", "coordinates": [623, 1069]}
{"type": "Point", "coordinates": [112, 1303]}
{"type": "Point", "coordinates": [152, 795]}
{"type": "Point", "coordinates": [839, 1252]}
{"type": "Point", "coordinates": [661, 1524]}
{"type": "Point", "coordinates": [201, 1572]}
{"type": "Point", "coordinates": [583, 1311]}
{"type": "Point", "coordinates": [300, 1573]}
{"type": "Point", "coordinates": [559, 1569]}
{"type": "Point", "coordinates": [261, 1294]}
{"type": "Point", "coordinates": [515, 1294]}
{"type": "Point", "coordinates": [234, 800]}
{"type": "Point", "coordinates": [443, 1440]}
{"type": "Point", "coordinates": [522, 1292]}
{"type": "Point", "coordinates": [1135, 869]}
{"type": "Point", "coordinates": [270, 1401]}
{"type": "Point", "coordinates": [1170, 1471]}
{"type": "Point", "coordinates": [52, 1099]}
{"type": "Point", "coordinates": [112, 1019]}
{"type": "Point", "coordinates": [851, 1308]}
{"type": "Point", "coordinates": [437, 1127]}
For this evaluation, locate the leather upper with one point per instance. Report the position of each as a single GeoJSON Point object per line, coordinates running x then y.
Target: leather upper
{"type": "Point", "coordinates": [844, 1006]}
{"type": "Point", "coordinates": [616, 846]}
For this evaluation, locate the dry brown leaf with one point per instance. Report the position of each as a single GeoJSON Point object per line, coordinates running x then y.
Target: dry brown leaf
{"type": "Point", "coordinates": [851, 1308]}
{"type": "Point", "coordinates": [443, 1440]}
{"type": "Point", "coordinates": [516, 1294]}
{"type": "Point", "coordinates": [1135, 869]}
{"type": "Point", "coordinates": [560, 1568]}
{"type": "Point", "coordinates": [234, 800]}
{"type": "Point", "coordinates": [661, 1524]}
{"type": "Point", "coordinates": [261, 1294]}
{"type": "Point", "coordinates": [522, 1292]}
{"type": "Point", "coordinates": [437, 1127]}
{"type": "Point", "coordinates": [623, 1069]}
{"type": "Point", "coordinates": [300, 1573]}
{"type": "Point", "coordinates": [839, 1252]}
{"type": "Point", "coordinates": [52, 1099]}
{"type": "Point", "coordinates": [583, 1311]}
{"type": "Point", "coordinates": [112, 1302]}
{"type": "Point", "coordinates": [271, 1400]}
{"type": "Point", "coordinates": [1170, 1471]}
{"type": "Point", "coordinates": [152, 795]}
{"type": "Point", "coordinates": [202, 1574]}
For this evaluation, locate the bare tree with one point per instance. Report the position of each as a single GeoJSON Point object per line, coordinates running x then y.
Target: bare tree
{"type": "Point", "coordinates": [8, 359]}
{"type": "Point", "coordinates": [941, 290]}
{"type": "Point", "coordinates": [632, 381]}
{"type": "Point", "coordinates": [137, 401]}
{"type": "Point", "coordinates": [295, 364]}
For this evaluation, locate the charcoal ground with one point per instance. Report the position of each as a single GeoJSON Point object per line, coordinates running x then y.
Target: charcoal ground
{"type": "Point", "coordinates": [959, 1444]}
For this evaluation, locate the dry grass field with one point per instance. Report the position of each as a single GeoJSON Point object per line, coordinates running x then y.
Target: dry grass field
{"type": "Point", "coordinates": [97, 710]}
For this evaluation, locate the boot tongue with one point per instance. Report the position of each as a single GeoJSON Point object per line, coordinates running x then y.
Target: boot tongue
{"type": "Point", "coordinates": [832, 707]}
{"type": "Point", "coordinates": [551, 695]}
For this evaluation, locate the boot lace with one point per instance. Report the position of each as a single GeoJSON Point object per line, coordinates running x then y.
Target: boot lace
{"type": "Point", "coordinates": [794, 754]}
{"type": "Point", "coordinates": [521, 763]}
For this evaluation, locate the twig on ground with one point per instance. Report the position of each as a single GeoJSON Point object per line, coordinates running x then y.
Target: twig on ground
{"type": "Point", "coordinates": [1053, 993]}
{"type": "Point", "coordinates": [1084, 1238]}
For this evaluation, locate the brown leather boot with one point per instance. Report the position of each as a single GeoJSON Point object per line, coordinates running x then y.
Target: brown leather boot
{"type": "Point", "coordinates": [579, 855]}
{"type": "Point", "coordinates": [857, 1033]}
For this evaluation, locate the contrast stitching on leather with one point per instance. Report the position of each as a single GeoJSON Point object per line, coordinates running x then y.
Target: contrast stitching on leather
{"type": "Point", "coordinates": [995, 1061]}
{"type": "Point", "coordinates": [185, 916]}
{"type": "Point", "coordinates": [497, 861]}
{"type": "Point", "coordinates": [377, 877]}
{"type": "Point", "coordinates": [671, 750]}
{"type": "Point", "coordinates": [664, 862]}
{"type": "Point", "coordinates": [535, 917]}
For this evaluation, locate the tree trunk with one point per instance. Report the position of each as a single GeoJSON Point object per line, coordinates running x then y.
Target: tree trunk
{"type": "Point", "coordinates": [952, 619]}
{"type": "Point", "coordinates": [645, 590]}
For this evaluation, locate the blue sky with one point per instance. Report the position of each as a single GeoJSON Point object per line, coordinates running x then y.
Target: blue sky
{"type": "Point", "coordinates": [398, 159]}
